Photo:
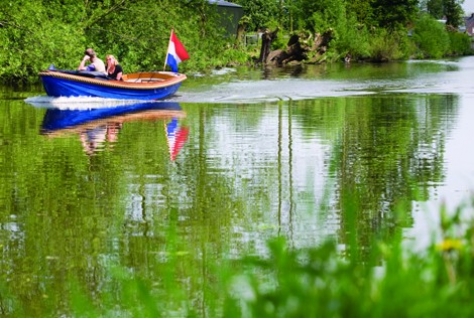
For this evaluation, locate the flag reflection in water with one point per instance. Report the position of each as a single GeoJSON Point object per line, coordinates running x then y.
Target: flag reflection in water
{"type": "Point", "coordinates": [176, 136]}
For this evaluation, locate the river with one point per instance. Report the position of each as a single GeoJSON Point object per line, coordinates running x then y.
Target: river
{"type": "Point", "coordinates": [240, 156]}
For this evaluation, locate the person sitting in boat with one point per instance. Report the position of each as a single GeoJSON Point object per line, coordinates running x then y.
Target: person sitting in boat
{"type": "Point", "coordinates": [95, 64]}
{"type": "Point", "coordinates": [114, 69]}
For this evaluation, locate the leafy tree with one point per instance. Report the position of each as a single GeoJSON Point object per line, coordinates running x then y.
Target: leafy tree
{"type": "Point", "coordinates": [453, 12]}
{"type": "Point", "coordinates": [431, 37]}
{"type": "Point", "coordinates": [363, 11]}
{"type": "Point", "coordinates": [353, 38]}
{"type": "Point", "coordinates": [460, 44]}
{"type": "Point", "coordinates": [261, 13]}
{"type": "Point", "coordinates": [304, 14]}
{"type": "Point", "coordinates": [32, 37]}
{"type": "Point", "coordinates": [435, 8]}
{"type": "Point", "coordinates": [36, 34]}
{"type": "Point", "coordinates": [331, 14]}
{"type": "Point", "coordinates": [396, 14]}
{"type": "Point", "coordinates": [67, 11]}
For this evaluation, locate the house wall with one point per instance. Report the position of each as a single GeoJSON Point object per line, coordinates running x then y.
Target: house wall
{"type": "Point", "coordinates": [469, 22]}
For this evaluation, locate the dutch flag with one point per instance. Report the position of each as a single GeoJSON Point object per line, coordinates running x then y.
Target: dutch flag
{"type": "Point", "coordinates": [176, 52]}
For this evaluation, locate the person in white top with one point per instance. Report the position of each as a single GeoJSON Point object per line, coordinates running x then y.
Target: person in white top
{"type": "Point", "coordinates": [95, 64]}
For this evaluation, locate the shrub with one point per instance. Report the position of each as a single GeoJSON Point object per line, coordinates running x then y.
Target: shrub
{"type": "Point", "coordinates": [387, 46]}
{"type": "Point", "coordinates": [460, 44]}
{"type": "Point", "coordinates": [431, 37]}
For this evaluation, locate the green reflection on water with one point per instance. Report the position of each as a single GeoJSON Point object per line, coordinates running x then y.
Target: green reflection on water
{"type": "Point", "coordinates": [247, 174]}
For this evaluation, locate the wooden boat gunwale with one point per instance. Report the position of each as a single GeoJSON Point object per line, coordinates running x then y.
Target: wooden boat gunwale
{"type": "Point", "coordinates": [138, 80]}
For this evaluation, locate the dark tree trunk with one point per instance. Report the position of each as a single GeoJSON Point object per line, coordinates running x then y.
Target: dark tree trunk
{"type": "Point", "coordinates": [294, 52]}
{"type": "Point", "coordinates": [296, 49]}
{"type": "Point", "coordinates": [267, 39]}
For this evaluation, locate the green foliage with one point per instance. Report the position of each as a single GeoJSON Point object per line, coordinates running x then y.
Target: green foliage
{"type": "Point", "coordinates": [30, 42]}
{"type": "Point", "coordinates": [310, 13]}
{"type": "Point", "coordinates": [69, 12]}
{"type": "Point", "coordinates": [352, 280]}
{"type": "Point", "coordinates": [393, 282]}
{"type": "Point", "coordinates": [356, 27]}
{"type": "Point", "coordinates": [324, 281]}
{"type": "Point", "coordinates": [387, 46]}
{"type": "Point", "coordinates": [363, 11]}
{"type": "Point", "coordinates": [431, 37]}
{"type": "Point", "coordinates": [453, 12]}
{"type": "Point", "coordinates": [460, 44]}
{"type": "Point", "coordinates": [435, 8]}
{"type": "Point", "coordinates": [352, 38]}
{"type": "Point", "coordinates": [394, 15]}
{"type": "Point", "coordinates": [35, 34]}
{"type": "Point", "coordinates": [260, 12]}
{"type": "Point", "coordinates": [331, 15]}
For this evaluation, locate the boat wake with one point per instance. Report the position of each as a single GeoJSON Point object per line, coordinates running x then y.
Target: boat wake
{"type": "Point", "coordinates": [248, 92]}
{"type": "Point", "coordinates": [265, 91]}
{"type": "Point", "coordinates": [77, 103]}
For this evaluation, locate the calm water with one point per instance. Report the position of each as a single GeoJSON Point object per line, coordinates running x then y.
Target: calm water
{"type": "Point", "coordinates": [235, 159]}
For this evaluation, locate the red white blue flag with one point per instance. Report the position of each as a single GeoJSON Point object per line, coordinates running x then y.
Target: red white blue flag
{"type": "Point", "coordinates": [176, 52]}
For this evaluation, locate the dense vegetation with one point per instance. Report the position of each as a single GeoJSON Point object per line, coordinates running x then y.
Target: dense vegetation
{"type": "Point", "coordinates": [36, 33]}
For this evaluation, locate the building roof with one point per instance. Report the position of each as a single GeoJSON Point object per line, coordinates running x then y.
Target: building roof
{"type": "Point", "coordinates": [224, 3]}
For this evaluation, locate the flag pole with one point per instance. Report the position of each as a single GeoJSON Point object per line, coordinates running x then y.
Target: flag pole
{"type": "Point", "coordinates": [166, 57]}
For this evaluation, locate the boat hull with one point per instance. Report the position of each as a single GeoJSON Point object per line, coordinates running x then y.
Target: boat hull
{"type": "Point", "coordinates": [136, 86]}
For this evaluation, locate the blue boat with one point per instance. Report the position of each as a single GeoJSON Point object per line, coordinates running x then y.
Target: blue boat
{"type": "Point", "coordinates": [147, 86]}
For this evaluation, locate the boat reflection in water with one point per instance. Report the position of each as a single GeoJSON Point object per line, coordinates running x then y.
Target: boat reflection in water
{"type": "Point", "coordinates": [99, 126]}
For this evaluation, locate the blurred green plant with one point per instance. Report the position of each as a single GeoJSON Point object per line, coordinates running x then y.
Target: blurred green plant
{"type": "Point", "coordinates": [393, 282]}
{"type": "Point", "coordinates": [325, 281]}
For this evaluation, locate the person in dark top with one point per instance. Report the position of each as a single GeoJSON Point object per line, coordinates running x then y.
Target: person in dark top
{"type": "Point", "coordinates": [114, 70]}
